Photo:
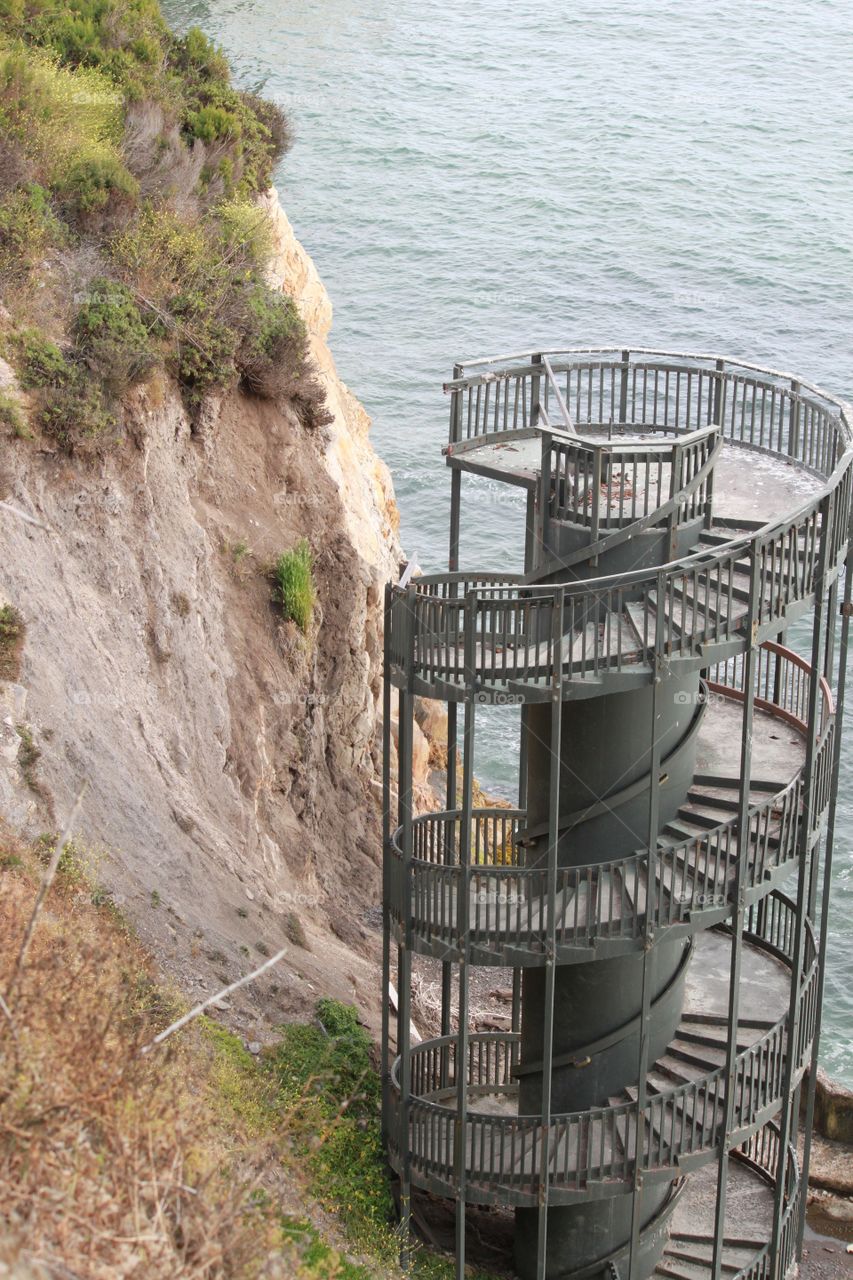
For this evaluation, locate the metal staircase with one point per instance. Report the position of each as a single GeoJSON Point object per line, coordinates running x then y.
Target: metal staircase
{"type": "Point", "coordinates": [677, 767]}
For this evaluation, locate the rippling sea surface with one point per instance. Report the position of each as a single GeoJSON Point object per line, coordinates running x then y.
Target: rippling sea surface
{"type": "Point", "coordinates": [485, 177]}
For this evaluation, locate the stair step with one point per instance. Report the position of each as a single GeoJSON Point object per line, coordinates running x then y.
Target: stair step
{"type": "Point", "coordinates": [697, 819]}
{"type": "Point", "coordinates": [680, 1270]}
{"type": "Point", "coordinates": [713, 802]}
{"type": "Point", "coordinates": [706, 1041]}
{"type": "Point", "coordinates": [719, 781]}
{"type": "Point", "coordinates": [673, 1070]}
{"type": "Point", "coordinates": [710, 539]}
{"type": "Point", "coordinates": [679, 829]}
{"type": "Point", "coordinates": [668, 615]}
{"type": "Point", "coordinates": [692, 601]}
{"type": "Point", "coordinates": [706, 1061]}
{"type": "Point", "coordinates": [684, 1255]}
{"type": "Point", "coordinates": [640, 624]}
{"type": "Point", "coordinates": [729, 1242]}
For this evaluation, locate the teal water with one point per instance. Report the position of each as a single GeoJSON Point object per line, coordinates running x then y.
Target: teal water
{"type": "Point", "coordinates": [490, 177]}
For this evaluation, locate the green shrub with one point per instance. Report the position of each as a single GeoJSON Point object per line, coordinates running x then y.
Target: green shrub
{"type": "Point", "coordinates": [273, 350]}
{"type": "Point", "coordinates": [42, 364]}
{"type": "Point", "coordinates": [273, 120]}
{"type": "Point", "coordinates": [195, 53]}
{"type": "Point", "coordinates": [72, 406]}
{"type": "Point", "coordinates": [124, 38]}
{"type": "Point", "coordinates": [294, 584]}
{"type": "Point", "coordinates": [12, 417]}
{"type": "Point", "coordinates": [77, 412]}
{"type": "Point", "coordinates": [27, 229]}
{"type": "Point", "coordinates": [112, 335]}
{"type": "Point", "coordinates": [162, 251]}
{"type": "Point", "coordinates": [22, 93]}
{"type": "Point", "coordinates": [205, 280]}
{"type": "Point", "coordinates": [195, 283]}
{"type": "Point", "coordinates": [99, 182]}
{"type": "Point", "coordinates": [326, 1072]}
{"type": "Point", "coordinates": [221, 117]}
{"type": "Point", "coordinates": [212, 124]}
{"type": "Point", "coordinates": [245, 232]}
{"type": "Point", "coordinates": [206, 349]}
{"type": "Point", "coordinates": [28, 757]}
{"type": "Point", "coordinates": [54, 115]}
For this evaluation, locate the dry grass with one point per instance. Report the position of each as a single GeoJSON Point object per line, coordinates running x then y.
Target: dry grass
{"type": "Point", "coordinates": [11, 642]}
{"type": "Point", "coordinates": [194, 1161]}
{"type": "Point", "coordinates": [111, 1164]}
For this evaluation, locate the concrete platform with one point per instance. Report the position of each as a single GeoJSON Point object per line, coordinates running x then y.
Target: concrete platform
{"type": "Point", "coordinates": [748, 485]}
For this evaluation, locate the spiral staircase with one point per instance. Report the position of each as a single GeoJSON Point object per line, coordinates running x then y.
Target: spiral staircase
{"type": "Point", "coordinates": [655, 892]}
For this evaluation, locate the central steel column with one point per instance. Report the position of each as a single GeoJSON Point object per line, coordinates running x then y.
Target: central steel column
{"type": "Point", "coordinates": [605, 759]}
{"type": "Point", "coordinates": [591, 1031]}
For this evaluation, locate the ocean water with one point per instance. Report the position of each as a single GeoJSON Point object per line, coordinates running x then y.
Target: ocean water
{"type": "Point", "coordinates": [486, 177]}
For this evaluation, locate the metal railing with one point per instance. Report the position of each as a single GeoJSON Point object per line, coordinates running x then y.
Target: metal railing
{"type": "Point", "coordinates": [604, 903]}
{"type": "Point", "coordinates": [615, 483]}
{"type": "Point", "coordinates": [761, 1153]}
{"type": "Point", "coordinates": [611, 390]}
{"type": "Point", "coordinates": [705, 601]}
{"type": "Point", "coordinates": [601, 1146]}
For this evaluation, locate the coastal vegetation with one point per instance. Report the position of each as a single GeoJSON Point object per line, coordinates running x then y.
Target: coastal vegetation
{"type": "Point", "coordinates": [131, 237]}
{"type": "Point", "coordinates": [119, 1158]}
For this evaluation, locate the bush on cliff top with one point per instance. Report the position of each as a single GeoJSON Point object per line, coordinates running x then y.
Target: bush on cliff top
{"type": "Point", "coordinates": [125, 145]}
{"type": "Point", "coordinates": [128, 42]}
{"type": "Point", "coordinates": [28, 229]}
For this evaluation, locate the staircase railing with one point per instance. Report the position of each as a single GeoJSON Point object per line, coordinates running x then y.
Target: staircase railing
{"type": "Point", "coordinates": [611, 391]}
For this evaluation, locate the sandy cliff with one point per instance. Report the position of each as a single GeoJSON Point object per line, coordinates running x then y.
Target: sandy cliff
{"type": "Point", "coordinates": [231, 767]}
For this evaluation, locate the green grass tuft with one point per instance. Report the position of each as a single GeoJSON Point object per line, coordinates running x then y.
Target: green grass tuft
{"type": "Point", "coordinates": [294, 584]}
{"type": "Point", "coordinates": [241, 1082]}
{"type": "Point", "coordinates": [325, 1073]}
{"type": "Point", "coordinates": [28, 757]}
{"type": "Point", "coordinates": [327, 1079]}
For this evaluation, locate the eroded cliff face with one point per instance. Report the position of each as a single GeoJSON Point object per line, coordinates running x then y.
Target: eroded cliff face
{"type": "Point", "coordinates": [232, 799]}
